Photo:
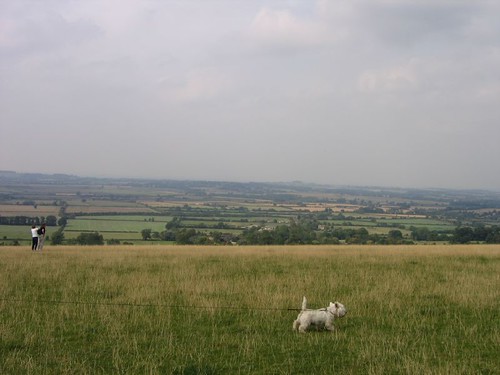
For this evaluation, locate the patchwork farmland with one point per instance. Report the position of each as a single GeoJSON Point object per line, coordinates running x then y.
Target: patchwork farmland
{"type": "Point", "coordinates": [203, 212]}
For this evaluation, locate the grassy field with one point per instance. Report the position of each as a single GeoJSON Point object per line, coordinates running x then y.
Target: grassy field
{"type": "Point", "coordinates": [115, 225]}
{"type": "Point", "coordinates": [224, 310]}
{"type": "Point", "coordinates": [16, 232]}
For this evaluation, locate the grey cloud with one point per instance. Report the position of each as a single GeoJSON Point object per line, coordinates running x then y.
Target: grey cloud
{"type": "Point", "coordinates": [44, 33]}
{"type": "Point", "coordinates": [348, 92]}
{"type": "Point", "coordinates": [410, 23]}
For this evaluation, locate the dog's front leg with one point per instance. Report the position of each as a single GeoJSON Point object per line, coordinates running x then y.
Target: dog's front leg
{"type": "Point", "coordinates": [329, 324]}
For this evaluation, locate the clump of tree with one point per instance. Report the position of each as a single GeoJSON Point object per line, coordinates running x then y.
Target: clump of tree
{"type": "Point", "coordinates": [173, 224]}
{"type": "Point", "coordinates": [146, 234]}
{"type": "Point", "coordinates": [480, 233]}
{"type": "Point", "coordinates": [190, 236]}
{"type": "Point", "coordinates": [176, 232]}
{"type": "Point", "coordinates": [57, 238]}
{"type": "Point", "coordinates": [90, 238]}
{"type": "Point", "coordinates": [425, 234]}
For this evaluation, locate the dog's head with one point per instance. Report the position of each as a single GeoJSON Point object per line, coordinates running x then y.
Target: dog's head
{"type": "Point", "coordinates": [337, 309]}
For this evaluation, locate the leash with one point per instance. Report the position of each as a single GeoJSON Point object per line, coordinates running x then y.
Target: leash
{"type": "Point", "coordinates": [128, 304]}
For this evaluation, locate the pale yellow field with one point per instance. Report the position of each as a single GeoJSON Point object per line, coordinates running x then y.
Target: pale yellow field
{"type": "Point", "coordinates": [25, 210]}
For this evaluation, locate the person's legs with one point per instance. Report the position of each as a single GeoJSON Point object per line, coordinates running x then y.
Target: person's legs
{"type": "Point", "coordinates": [34, 243]}
{"type": "Point", "coordinates": [41, 240]}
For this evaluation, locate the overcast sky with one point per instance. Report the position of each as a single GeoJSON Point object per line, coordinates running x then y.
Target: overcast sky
{"type": "Point", "coordinates": [353, 92]}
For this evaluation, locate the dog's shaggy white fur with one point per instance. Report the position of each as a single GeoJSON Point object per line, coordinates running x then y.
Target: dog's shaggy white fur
{"type": "Point", "coordinates": [320, 319]}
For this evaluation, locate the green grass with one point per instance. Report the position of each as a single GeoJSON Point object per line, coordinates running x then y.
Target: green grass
{"type": "Point", "coordinates": [223, 310]}
{"type": "Point", "coordinates": [125, 236]}
{"type": "Point", "coordinates": [123, 228]}
{"type": "Point", "coordinates": [138, 218]}
{"type": "Point", "coordinates": [15, 232]}
{"type": "Point", "coordinates": [19, 233]}
{"type": "Point", "coordinates": [116, 225]}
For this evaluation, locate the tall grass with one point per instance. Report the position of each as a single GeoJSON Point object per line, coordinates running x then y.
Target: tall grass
{"type": "Point", "coordinates": [223, 310]}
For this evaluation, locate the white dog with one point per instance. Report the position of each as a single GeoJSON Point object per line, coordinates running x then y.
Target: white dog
{"type": "Point", "coordinates": [321, 318]}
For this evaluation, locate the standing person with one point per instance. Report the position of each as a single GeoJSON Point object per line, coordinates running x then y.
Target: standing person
{"type": "Point", "coordinates": [34, 237]}
{"type": "Point", "coordinates": [41, 236]}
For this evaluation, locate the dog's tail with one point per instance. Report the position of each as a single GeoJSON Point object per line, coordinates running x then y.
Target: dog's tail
{"type": "Point", "coordinates": [304, 303]}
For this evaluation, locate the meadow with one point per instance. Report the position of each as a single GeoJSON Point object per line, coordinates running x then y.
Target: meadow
{"type": "Point", "coordinates": [118, 227]}
{"type": "Point", "coordinates": [229, 310]}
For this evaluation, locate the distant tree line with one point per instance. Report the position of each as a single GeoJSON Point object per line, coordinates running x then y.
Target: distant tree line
{"type": "Point", "coordinates": [50, 220]}
{"type": "Point", "coordinates": [303, 230]}
{"type": "Point", "coordinates": [481, 233]}
{"type": "Point", "coordinates": [298, 233]}
{"type": "Point", "coordinates": [85, 238]}
{"type": "Point", "coordinates": [90, 238]}
{"type": "Point", "coordinates": [306, 230]}
{"type": "Point", "coordinates": [425, 234]}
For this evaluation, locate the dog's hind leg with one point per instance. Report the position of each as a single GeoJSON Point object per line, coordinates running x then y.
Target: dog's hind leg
{"type": "Point", "coordinates": [303, 328]}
